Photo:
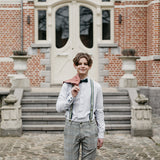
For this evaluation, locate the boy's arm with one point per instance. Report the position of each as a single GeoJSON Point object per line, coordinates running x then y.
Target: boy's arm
{"type": "Point", "coordinates": [65, 99]}
{"type": "Point", "coordinates": [99, 113]}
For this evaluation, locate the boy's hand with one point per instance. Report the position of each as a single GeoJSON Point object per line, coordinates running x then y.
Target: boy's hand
{"type": "Point", "coordinates": [99, 143]}
{"type": "Point", "coordinates": [75, 90]}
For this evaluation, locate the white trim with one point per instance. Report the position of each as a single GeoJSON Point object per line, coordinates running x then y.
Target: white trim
{"type": "Point", "coordinates": [6, 59]}
{"type": "Point", "coordinates": [9, 9]}
{"type": "Point", "coordinates": [133, 0]}
{"type": "Point", "coordinates": [125, 6]}
{"type": "Point", "coordinates": [10, 1]}
{"type": "Point", "coordinates": [153, 2]}
{"type": "Point", "coordinates": [146, 58]}
{"type": "Point", "coordinates": [36, 27]}
{"type": "Point", "coordinates": [28, 7]}
{"type": "Point", "coordinates": [12, 9]}
{"type": "Point", "coordinates": [111, 26]}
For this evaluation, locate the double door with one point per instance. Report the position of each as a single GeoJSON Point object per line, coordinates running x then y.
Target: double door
{"type": "Point", "coordinates": [74, 31]}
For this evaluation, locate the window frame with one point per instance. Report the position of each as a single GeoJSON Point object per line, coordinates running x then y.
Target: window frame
{"type": "Point", "coordinates": [111, 9]}
{"type": "Point", "coordinates": [36, 26]}
{"type": "Point", "coordinates": [102, 6]}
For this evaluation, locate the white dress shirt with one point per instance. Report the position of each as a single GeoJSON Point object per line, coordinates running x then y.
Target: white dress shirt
{"type": "Point", "coordinates": [82, 104]}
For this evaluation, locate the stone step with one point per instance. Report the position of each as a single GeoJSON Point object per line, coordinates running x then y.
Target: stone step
{"type": "Point", "coordinates": [116, 101]}
{"type": "Point", "coordinates": [38, 94]}
{"type": "Point", "coordinates": [117, 109]}
{"type": "Point", "coordinates": [31, 94]}
{"type": "Point", "coordinates": [116, 105]}
{"type": "Point", "coordinates": [38, 101]}
{"type": "Point", "coordinates": [118, 127]}
{"type": "Point", "coordinates": [52, 110]}
{"type": "Point", "coordinates": [39, 112]}
{"type": "Point", "coordinates": [57, 127]}
{"type": "Point", "coordinates": [39, 109]}
{"type": "Point", "coordinates": [62, 117]}
{"type": "Point", "coordinates": [49, 100]}
{"type": "Point", "coordinates": [115, 97]}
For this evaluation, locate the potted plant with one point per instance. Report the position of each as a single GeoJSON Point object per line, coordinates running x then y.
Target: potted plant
{"type": "Point", "coordinates": [128, 52]}
{"type": "Point", "coordinates": [19, 53]}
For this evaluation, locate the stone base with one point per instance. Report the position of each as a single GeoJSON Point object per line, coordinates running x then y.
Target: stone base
{"type": "Point", "coordinates": [128, 83]}
{"type": "Point", "coordinates": [11, 132]}
{"type": "Point", "coordinates": [142, 133]}
{"type": "Point", "coordinates": [21, 83]}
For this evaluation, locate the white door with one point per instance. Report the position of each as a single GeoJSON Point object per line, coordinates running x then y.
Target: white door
{"type": "Point", "coordinates": [74, 31]}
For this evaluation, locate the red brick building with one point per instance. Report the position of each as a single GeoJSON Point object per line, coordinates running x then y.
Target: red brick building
{"type": "Point", "coordinates": [53, 31]}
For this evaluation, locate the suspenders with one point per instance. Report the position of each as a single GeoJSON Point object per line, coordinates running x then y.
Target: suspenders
{"type": "Point", "coordinates": [91, 102]}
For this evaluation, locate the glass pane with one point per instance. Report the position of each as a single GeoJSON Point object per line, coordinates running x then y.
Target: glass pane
{"type": "Point", "coordinates": [105, 0]}
{"type": "Point", "coordinates": [62, 26]}
{"type": "Point", "coordinates": [86, 26]}
{"type": "Point", "coordinates": [41, 0]}
{"type": "Point", "coordinates": [106, 25]}
{"type": "Point", "coordinates": [42, 25]}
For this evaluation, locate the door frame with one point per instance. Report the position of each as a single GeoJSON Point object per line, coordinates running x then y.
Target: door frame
{"type": "Point", "coordinates": [74, 38]}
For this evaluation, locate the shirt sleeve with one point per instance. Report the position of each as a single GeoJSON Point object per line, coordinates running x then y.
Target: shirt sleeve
{"type": "Point", "coordinates": [65, 98]}
{"type": "Point", "coordinates": [99, 113]}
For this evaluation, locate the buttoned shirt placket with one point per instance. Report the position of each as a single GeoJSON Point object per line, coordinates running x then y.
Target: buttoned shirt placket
{"type": "Point", "coordinates": [91, 103]}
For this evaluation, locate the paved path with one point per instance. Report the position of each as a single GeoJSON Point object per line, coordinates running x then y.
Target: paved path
{"type": "Point", "coordinates": [50, 147]}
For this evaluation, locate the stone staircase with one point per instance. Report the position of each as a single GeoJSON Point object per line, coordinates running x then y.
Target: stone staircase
{"type": "Point", "coordinates": [39, 112]}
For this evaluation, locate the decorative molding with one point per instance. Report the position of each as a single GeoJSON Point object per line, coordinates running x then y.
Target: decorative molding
{"type": "Point", "coordinates": [107, 45]}
{"type": "Point", "coordinates": [9, 9]}
{"type": "Point", "coordinates": [10, 1]}
{"type": "Point", "coordinates": [125, 6]}
{"type": "Point", "coordinates": [33, 45]}
{"type": "Point", "coordinates": [149, 58]}
{"type": "Point", "coordinates": [6, 59]}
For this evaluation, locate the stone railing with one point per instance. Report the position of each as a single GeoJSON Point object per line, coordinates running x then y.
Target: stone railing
{"type": "Point", "coordinates": [141, 114]}
{"type": "Point", "coordinates": [11, 122]}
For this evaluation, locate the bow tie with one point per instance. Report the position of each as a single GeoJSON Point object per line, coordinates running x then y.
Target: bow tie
{"type": "Point", "coordinates": [84, 80]}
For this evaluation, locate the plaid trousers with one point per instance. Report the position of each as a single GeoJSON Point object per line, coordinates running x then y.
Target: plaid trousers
{"type": "Point", "coordinates": [80, 133]}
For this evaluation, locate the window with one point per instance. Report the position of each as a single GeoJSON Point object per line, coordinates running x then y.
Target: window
{"type": "Point", "coordinates": [106, 35]}
{"type": "Point", "coordinates": [41, 0]}
{"type": "Point", "coordinates": [42, 25]}
{"type": "Point", "coordinates": [86, 26]}
{"type": "Point", "coordinates": [62, 26]}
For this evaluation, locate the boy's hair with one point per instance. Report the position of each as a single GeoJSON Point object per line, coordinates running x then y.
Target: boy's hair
{"type": "Point", "coordinates": [82, 55]}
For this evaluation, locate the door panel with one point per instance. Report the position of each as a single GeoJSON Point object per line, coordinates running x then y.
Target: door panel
{"type": "Point", "coordinates": [74, 31]}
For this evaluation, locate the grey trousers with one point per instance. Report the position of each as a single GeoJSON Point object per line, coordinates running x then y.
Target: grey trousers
{"type": "Point", "coordinates": [80, 133]}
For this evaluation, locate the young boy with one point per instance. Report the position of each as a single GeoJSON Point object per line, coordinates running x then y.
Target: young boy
{"type": "Point", "coordinates": [82, 100]}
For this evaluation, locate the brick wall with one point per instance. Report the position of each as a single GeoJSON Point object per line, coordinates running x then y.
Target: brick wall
{"type": "Point", "coordinates": [139, 29]}
{"type": "Point", "coordinates": [153, 67]}
{"type": "Point", "coordinates": [10, 25]}
{"type": "Point", "coordinates": [10, 39]}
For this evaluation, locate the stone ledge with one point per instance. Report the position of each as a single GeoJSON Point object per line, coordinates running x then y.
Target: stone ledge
{"type": "Point", "coordinates": [107, 45]}
{"type": "Point", "coordinates": [34, 45]}
{"type": "Point", "coordinates": [156, 58]}
{"type": "Point", "coordinates": [45, 73]}
{"type": "Point", "coordinates": [45, 85]}
{"type": "Point", "coordinates": [45, 62]}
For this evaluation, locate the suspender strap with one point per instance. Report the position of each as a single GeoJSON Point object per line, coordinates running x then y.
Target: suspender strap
{"type": "Point", "coordinates": [71, 112]}
{"type": "Point", "coordinates": [91, 102]}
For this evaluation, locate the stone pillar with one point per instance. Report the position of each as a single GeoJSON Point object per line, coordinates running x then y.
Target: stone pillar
{"type": "Point", "coordinates": [141, 122]}
{"type": "Point", "coordinates": [11, 124]}
{"type": "Point", "coordinates": [128, 80]}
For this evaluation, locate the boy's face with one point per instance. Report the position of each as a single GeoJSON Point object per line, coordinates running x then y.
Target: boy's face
{"type": "Point", "coordinates": [82, 68]}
